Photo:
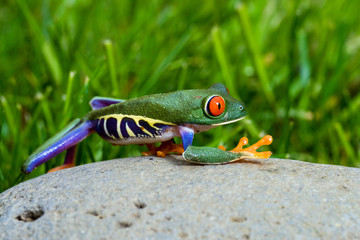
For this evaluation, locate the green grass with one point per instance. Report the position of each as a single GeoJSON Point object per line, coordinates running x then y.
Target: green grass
{"type": "Point", "coordinates": [295, 64]}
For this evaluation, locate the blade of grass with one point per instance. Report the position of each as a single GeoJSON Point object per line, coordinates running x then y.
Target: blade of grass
{"type": "Point", "coordinates": [346, 144]}
{"type": "Point", "coordinates": [284, 141]}
{"type": "Point", "coordinates": [112, 66]}
{"type": "Point", "coordinates": [2, 179]}
{"type": "Point", "coordinates": [50, 124]}
{"type": "Point", "coordinates": [35, 116]}
{"type": "Point", "coordinates": [255, 54]}
{"type": "Point", "coordinates": [305, 68]}
{"type": "Point", "coordinates": [150, 83]}
{"type": "Point", "coordinates": [68, 98]}
{"type": "Point", "coordinates": [52, 61]}
{"type": "Point", "coordinates": [225, 69]}
{"type": "Point", "coordinates": [30, 19]}
{"type": "Point", "coordinates": [9, 116]}
{"type": "Point", "coordinates": [4, 155]}
{"type": "Point", "coordinates": [95, 76]}
{"type": "Point", "coordinates": [47, 48]}
{"type": "Point", "coordinates": [84, 101]}
{"type": "Point", "coordinates": [183, 75]}
{"type": "Point", "coordinates": [354, 106]}
{"type": "Point", "coordinates": [251, 126]}
{"type": "Point", "coordinates": [223, 62]}
{"type": "Point", "coordinates": [333, 146]}
{"type": "Point", "coordinates": [302, 83]}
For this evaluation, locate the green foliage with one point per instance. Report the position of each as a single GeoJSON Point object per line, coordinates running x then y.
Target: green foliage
{"type": "Point", "coordinates": [295, 64]}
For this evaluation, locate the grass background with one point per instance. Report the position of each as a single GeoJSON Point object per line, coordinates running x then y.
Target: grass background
{"type": "Point", "coordinates": [295, 64]}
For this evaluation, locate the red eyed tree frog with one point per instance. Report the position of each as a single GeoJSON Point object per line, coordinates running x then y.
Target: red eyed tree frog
{"type": "Point", "coordinates": [155, 118]}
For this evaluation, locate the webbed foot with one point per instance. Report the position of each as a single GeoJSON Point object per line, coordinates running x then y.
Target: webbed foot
{"type": "Point", "coordinates": [164, 149]}
{"type": "Point", "coordinates": [250, 152]}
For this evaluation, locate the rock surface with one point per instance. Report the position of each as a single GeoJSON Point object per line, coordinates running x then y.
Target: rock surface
{"type": "Point", "coordinates": [155, 198]}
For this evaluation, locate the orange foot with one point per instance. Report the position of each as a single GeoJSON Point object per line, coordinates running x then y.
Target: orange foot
{"type": "Point", "coordinates": [164, 149]}
{"type": "Point", "coordinates": [250, 152]}
{"type": "Point", "coordinates": [64, 166]}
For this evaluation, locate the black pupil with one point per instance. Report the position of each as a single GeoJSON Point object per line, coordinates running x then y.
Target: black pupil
{"type": "Point", "coordinates": [219, 105]}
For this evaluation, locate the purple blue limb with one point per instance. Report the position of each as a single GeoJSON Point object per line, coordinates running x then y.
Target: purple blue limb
{"type": "Point", "coordinates": [74, 133]}
{"type": "Point", "coordinates": [101, 102]}
{"type": "Point", "coordinates": [70, 155]}
{"type": "Point", "coordinates": [69, 160]}
{"type": "Point", "coordinates": [187, 136]}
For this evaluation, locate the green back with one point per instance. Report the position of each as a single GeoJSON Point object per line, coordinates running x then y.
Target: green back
{"type": "Point", "coordinates": [179, 107]}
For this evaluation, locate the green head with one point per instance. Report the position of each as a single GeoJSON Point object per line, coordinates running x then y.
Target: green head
{"type": "Point", "coordinates": [212, 106]}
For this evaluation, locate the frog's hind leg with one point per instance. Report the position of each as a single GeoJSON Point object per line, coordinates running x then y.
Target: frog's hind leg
{"type": "Point", "coordinates": [164, 149]}
{"type": "Point", "coordinates": [73, 133]}
{"type": "Point", "coordinates": [69, 160]}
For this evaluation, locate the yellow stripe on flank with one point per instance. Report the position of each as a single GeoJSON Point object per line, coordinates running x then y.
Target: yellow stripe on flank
{"type": "Point", "coordinates": [105, 128]}
{"type": "Point", "coordinates": [128, 130]}
{"type": "Point", "coordinates": [118, 128]}
{"type": "Point", "coordinates": [107, 132]}
{"type": "Point", "coordinates": [137, 118]}
{"type": "Point", "coordinates": [144, 130]}
{"type": "Point", "coordinates": [120, 117]}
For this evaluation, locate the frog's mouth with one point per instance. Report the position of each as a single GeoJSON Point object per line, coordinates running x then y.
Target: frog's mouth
{"type": "Point", "coordinates": [200, 128]}
{"type": "Point", "coordinates": [227, 122]}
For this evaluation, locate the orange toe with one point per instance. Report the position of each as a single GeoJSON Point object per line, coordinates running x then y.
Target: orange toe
{"type": "Point", "coordinates": [64, 166]}
{"type": "Point", "coordinates": [164, 149]}
{"type": "Point", "coordinates": [222, 147]}
{"type": "Point", "coordinates": [251, 152]}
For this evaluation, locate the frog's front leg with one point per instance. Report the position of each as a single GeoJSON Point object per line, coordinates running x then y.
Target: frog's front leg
{"type": "Point", "coordinates": [209, 155]}
{"type": "Point", "coordinates": [250, 152]}
{"type": "Point", "coordinates": [187, 136]}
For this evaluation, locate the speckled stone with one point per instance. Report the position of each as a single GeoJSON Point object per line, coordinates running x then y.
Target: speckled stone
{"type": "Point", "coordinates": [155, 198]}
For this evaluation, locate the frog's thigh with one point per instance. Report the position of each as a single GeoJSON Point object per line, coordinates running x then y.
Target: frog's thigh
{"type": "Point", "coordinates": [209, 155]}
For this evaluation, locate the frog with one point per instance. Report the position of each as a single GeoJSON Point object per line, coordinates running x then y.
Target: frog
{"type": "Point", "coordinates": [152, 119]}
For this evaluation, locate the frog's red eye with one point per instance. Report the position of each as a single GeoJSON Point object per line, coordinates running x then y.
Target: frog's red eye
{"type": "Point", "coordinates": [215, 106]}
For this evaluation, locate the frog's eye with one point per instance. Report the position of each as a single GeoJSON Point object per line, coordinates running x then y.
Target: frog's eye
{"type": "Point", "coordinates": [215, 106]}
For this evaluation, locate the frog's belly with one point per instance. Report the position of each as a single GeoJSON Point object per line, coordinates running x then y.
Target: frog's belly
{"type": "Point", "coordinates": [129, 130]}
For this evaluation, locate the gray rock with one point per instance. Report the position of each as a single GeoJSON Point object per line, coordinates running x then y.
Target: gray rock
{"type": "Point", "coordinates": [167, 198]}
